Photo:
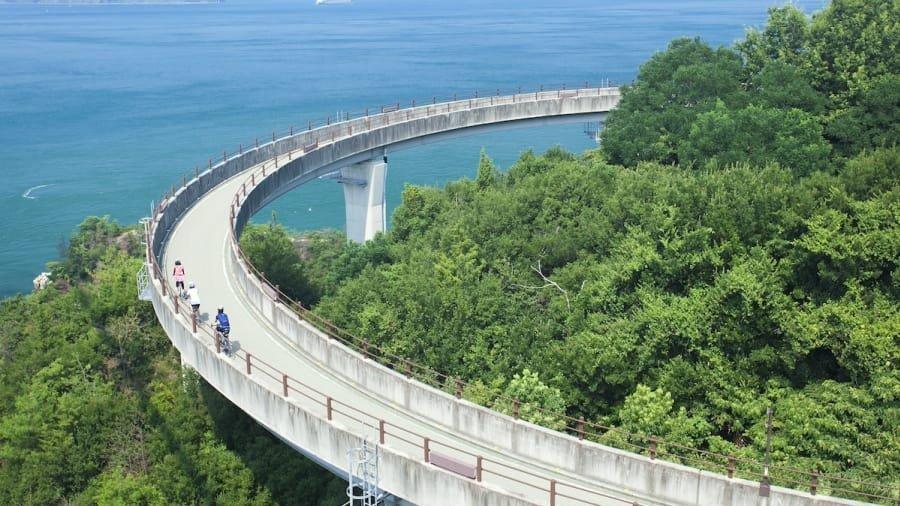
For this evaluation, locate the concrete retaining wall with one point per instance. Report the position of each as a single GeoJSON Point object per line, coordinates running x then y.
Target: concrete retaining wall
{"type": "Point", "coordinates": [656, 481]}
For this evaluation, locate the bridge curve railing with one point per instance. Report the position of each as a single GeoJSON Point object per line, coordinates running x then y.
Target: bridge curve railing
{"type": "Point", "coordinates": [176, 203]}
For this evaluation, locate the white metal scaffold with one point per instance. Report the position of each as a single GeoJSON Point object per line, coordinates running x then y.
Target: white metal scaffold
{"type": "Point", "coordinates": [362, 477]}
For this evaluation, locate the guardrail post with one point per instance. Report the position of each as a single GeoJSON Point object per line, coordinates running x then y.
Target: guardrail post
{"type": "Point", "coordinates": [292, 130]}
{"type": "Point", "coordinates": [365, 349]}
{"type": "Point", "coordinates": [653, 442]}
{"type": "Point", "coordinates": [244, 189]}
{"type": "Point", "coordinates": [458, 388]}
{"type": "Point", "coordinates": [175, 301]}
{"type": "Point", "coordinates": [476, 93]}
{"type": "Point", "coordinates": [257, 142]}
{"type": "Point", "coordinates": [184, 180]}
{"type": "Point", "coordinates": [218, 342]}
{"type": "Point", "coordinates": [580, 428]}
{"type": "Point", "coordinates": [197, 172]}
{"type": "Point", "coordinates": [381, 432]}
{"type": "Point", "coordinates": [479, 467]}
{"type": "Point", "coordinates": [253, 176]}
{"type": "Point", "coordinates": [248, 364]}
{"type": "Point", "coordinates": [764, 486]}
{"type": "Point", "coordinates": [284, 384]}
{"type": "Point", "coordinates": [408, 369]}
{"type": "Point", "coordinates": [426, 450]}
{"type": "Point", "coordinates": [516, 409]}
{"type": "Point", "coordinates": [730, 466]}
{"type": "Point", "coordinates": [240, 149]}
{"type": "Point", "coordinates": [328, 408]}
{"type": "Point", "coordinates": [224, 156]}
{"type": "Point", "coordinates": [264, 170]}
{"type": "Point", "coordinates": [552, 492]}
{"type": "Point", "coordinates": [273, 135]}
{"type": "Point", "coordinates": [194, 323]}
{"type": "Point", "coordinates": [813, 482]}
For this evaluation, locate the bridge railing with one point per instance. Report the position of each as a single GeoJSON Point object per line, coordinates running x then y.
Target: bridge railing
{"type": "Point", "coordinates": [649, 445]}
{"type": "Point", "coordinates": [322, 130]}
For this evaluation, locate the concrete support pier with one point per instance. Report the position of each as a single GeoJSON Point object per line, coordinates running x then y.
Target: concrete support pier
{"type": "Point", "coordinates": [364, 199]}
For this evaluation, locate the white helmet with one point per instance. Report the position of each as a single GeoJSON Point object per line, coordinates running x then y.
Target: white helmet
{"type": "Point", "coordinates": [191, 285]}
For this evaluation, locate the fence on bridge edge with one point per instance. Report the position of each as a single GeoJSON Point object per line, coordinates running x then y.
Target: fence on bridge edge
{"type": "Point", "coordinates": [652, 446]}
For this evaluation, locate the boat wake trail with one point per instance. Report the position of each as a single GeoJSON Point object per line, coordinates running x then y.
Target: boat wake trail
{"type": "Point", "coordinates": [29, 196]}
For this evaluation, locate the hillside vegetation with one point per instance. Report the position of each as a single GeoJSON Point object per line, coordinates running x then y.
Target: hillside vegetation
{"type": "Point", "coordinates": [95, 409]}
{"type": "Point", "coordinates": [733, 246]}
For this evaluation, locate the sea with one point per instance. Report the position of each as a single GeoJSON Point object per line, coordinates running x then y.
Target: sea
{"type": "Point", "coordinates": [103, 107]}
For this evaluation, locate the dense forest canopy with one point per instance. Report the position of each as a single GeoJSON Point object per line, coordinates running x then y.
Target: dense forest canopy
{"type": "Point", "coordinates": [732, 247]}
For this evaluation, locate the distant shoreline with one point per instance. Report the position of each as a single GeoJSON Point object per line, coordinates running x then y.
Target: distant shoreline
{"type": "Point", "coordinates": [108, 2]}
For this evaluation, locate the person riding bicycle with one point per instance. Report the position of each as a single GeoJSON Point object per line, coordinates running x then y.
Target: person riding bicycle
{"type": "Point", "coordinates": [222, 323]}
{"type": "Point", "coordinates": [179, 273]}
{"type": "Point", "coordinates": [223, 327]}
{"type": "Point", "coordinates": [194, 297]}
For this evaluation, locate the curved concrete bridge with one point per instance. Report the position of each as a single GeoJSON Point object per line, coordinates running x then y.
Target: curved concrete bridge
{"type": "Point", "coordinates": [324, 398]}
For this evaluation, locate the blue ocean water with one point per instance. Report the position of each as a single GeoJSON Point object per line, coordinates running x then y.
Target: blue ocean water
{"type": "Point", "coordinates": [103, 107]}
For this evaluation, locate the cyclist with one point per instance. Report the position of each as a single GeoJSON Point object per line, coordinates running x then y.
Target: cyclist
{"type": "Point", "coordinates": [178, 272]}
{"type": "Point", "coordinates": [194, 297]}
{"type": "Point", "coordinates": [223, 327]}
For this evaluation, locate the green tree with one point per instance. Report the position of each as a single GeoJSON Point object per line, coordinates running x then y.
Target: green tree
{"type": "Point", "coordinates": [853, 43]}
{"type": "Point", "coordinates": [538, 403]}
{"type": "Point", "coordinates": [758, 136]}
{"type": "Point", "coordinates": [672, 88]}
{"type": "Point", "coordinates": [270, 250]}
{"type": "Point", "coordinates": [487, 172]}
{"type": "Point", "coordinates": [118, 489]}
{"type": "Point", "coordinates": [784, 39]}
{"type": "Point", "coordinates": [873, 122]}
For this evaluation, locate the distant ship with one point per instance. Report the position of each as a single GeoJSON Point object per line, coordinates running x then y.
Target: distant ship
{"type": "Point", "coordinates": [333, 2]}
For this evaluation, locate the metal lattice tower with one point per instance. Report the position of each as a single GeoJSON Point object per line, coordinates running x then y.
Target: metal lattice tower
{"type": "Point", "coordinates": [362, 476]}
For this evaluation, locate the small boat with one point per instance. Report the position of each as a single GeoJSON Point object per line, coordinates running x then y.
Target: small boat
{"type": "Point", "coordinates": [333, 2]}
